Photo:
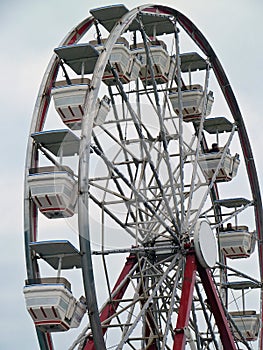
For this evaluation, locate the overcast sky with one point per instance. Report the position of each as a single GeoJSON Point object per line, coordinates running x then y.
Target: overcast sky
{"type": "Point", "coordinates": [30, 30]}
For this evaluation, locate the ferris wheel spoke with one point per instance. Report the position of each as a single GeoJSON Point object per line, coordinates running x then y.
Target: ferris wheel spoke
{"type": "Point", "coordinates": [111, 215]}
{"type": "Point", "coordinates": [169, 185]}
{"type": "Point", "coordinates": [139, 196]}
{"type": "Point", "coordinates": [146, 304]}
{"type": "Point", "coordinates": [120, 197]}
{"type": "Point", "coordinates": [129, 155]}
{"type": "Point", "coordinates": [134, 176]}
{"type": "Point", "coordinates": [119, 188]}
{"type": "Point", "coordinates": [131, 204]}
{"type": "Point", "coordinates": [198, 147]}
{"type": "Point", "coordinates": [142, 139]}
{"type": "Point", "coordinates": [163, 131]}
{"type": "Point", "coordinates": [121, 136]}
{"type": "Point", "coordinates": [170, 308]}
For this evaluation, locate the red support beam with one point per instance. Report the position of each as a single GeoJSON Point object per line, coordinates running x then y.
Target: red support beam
{"type": "Point", "coordinates": [216, 308]}
{"type": "Point", "coordinates": [191, 267]}
{"type": "Point", "coordinates": [111, 307]}
{"type": "Point", "coordinates": [186, 301]}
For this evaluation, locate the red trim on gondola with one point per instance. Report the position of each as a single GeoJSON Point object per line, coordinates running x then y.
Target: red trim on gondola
{"type": "Point", "coordinates": [52, 322]}
{"type": "Point", "coordinates": [110, 76]}
{"type": "Point", "coordinates": [43, 312]}
{"type": "Point", "coordinates": [54, 312]}
{"type": "Point", "coordinates": [32, 312]}
{"type": "Point", "coordinates": [48, 200]}
{"type": "Point", "coordinates": [157, 76]}
{"type": "Point", "coordinates": [58, 199]}
{"type": "Point", "coordinates": [53, 209]}
{"type": "Point", "coordinates": [69, 121]}
{"type": "Point", "coordinates": [38, 201]}
{"type": "Point", "coordinates": [61, 113]}
{"type": "Point", "coordinates": [71, 111]}
{"type": "Point", "coordinates": [75, 37]}
{"type": "Point", "coordinates": [47, 210]}
{"type": "Point", "coordinates": [81, 110]}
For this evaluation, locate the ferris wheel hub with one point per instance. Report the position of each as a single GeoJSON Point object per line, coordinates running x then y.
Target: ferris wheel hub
{"type": "Point", "coordinates": [205, 244]}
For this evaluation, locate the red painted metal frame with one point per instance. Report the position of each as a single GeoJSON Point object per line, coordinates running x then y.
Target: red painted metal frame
{"type": "Point", "coordinates": [191, 267]}
{"type": "Point", "coordinates": [186, 301]}
{"type": "Point", "coordinates": [216, 308]}
{"type": "Point", "coordinates": [112, 305]}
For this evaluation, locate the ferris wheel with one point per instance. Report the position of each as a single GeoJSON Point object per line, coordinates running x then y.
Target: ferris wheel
{"type": "Point", "coordinates": [138, 150]}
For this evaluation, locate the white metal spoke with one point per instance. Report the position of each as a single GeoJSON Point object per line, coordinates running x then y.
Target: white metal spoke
{"type": "Point", "coordinates": [146, 305]}
{"type": "Point", "coordinates": [174, 291]}
{"type": "Point", "coordinates": [181, 141]}
{"type": "Point", "coordinates": [198, 146]}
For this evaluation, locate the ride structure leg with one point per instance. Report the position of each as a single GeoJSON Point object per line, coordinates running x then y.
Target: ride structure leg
{"type": "Point", "coordinates": [112, 305]}
{"type": "Point", "coordinates": [215, 304]}
{"type": "Point", "coordinates": [191, 267]}
{"type": "Point", "coordinates": [186, 301]}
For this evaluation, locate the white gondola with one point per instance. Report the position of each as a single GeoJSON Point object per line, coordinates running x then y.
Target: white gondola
{"type": "Point", "coordinates": [209, 161]}
{"type": "Point", "coordinates": [69, 101]}
{"type": "Point", "coordinates": [163, 64]}
{"type": "Point", "coordinates": [238, 243]}
{"type": "Point", "coordinates": [53, 190]}
{"type": "Point", "coordinates": [125, 62]}
{"type": "Point", "coordinates": [248, 323]}
{"type": "Point", "coordinates": [192, 102]}
{"type": "Point", "coordinates": [52, 306]}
